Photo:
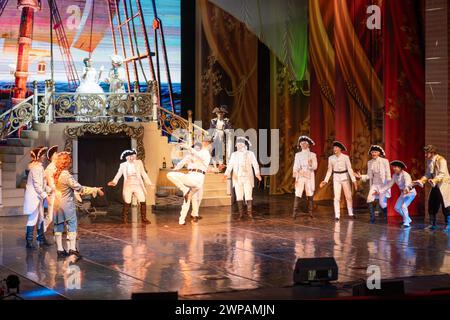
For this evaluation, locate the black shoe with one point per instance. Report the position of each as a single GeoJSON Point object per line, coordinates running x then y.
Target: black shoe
{"type": "Point", "coordinates": [195, 219]}
{"type": "Point", "coordinates": [30, 245]}
{"type": "Point", "coordinates": [62, 254]}
{"type": "Point", "coordinates": [75, 253]}
{"type": "Point", "coordinates": [337, 219]}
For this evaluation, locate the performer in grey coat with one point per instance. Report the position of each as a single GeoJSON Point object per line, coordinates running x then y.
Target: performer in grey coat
{"type": "Point", "coordinates": [438, 177]}
{"type": "Point", "coordinates": [65, 210]}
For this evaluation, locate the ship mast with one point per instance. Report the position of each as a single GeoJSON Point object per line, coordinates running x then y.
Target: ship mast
{"type": "Point", "coordinates": [28, 8]}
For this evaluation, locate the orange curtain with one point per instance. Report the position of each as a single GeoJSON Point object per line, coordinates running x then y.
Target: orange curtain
{"type": "Point", "coordinates": [236, 50]}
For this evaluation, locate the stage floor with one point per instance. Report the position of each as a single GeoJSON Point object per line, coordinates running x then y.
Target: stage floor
{"type": "Point", "coordinates": [221, 254]}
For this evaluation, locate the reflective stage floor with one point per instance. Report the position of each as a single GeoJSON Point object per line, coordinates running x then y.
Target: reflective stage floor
{"type": "Point", "coordinates": [220, 257]}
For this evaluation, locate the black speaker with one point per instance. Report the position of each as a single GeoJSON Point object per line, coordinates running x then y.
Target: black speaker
{"type": "Point", "coordinates": [155, 296]}
{"type": "Point", "coordinates": [315, 270]}
{"type": "Point", "coordinates": [388, 288]}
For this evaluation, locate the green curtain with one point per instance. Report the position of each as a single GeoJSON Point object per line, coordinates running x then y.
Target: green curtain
{"type": "Point", "coordinates": [282, 25]}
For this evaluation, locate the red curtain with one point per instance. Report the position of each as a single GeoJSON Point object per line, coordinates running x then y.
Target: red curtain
{"type": "Point", "coordinates": [404, 87]}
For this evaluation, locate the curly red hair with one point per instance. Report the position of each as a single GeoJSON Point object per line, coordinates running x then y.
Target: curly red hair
{"type": "Point", "coordinates": [63, 162]}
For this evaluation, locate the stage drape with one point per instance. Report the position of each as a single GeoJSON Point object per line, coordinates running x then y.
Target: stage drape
{"type": "Point", "coordinates": [365, 86]}
{"type": "Point", "coordinates": [282, 25]}
{"type": "Point", "coordinates": [236, 50]}
{"type": "Point", "coordinates": [404, 86]}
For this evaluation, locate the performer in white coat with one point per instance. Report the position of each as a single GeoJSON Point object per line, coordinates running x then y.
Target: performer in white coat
{"type": "Point", "coordinates": [52, 155]}
{"type": "Point", "coordinates": [36, 192]}
{"type": "Point", "coordinates": [117, 76]}
{"type": "Point", "coordinates": [191, 183]}
{"type": "Point", "coordinates": [135, 179]}
{"type": "Point", "coordinates": [404, 182]}
{"type": "Point", "coordinates": [339, 165]}
{"type": "Point", "coordinates": [438, 177]}
{"type": "Point", "coordinates": [378, 174]}
{"type": "Point", "coordinates": [242, 163]}
{"type": "Point", "coordinates": [305, 164]}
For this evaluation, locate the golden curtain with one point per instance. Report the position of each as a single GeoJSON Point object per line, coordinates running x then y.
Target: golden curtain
{"type": "Point", "coordinates": [236, 50]}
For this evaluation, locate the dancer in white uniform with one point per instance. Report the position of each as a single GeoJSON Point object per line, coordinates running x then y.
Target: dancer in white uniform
{"type": "Point", "coordinates": [50, 170]}
{"type": "Point", "coordinates": [241, 163]}
{"type": "Point", "coordinates": [36, 192]}
{"type": "Point", "coordinates": [339, 165]}
{"type": "Point", "coordinates": [305, 164]}
{"type": "Point", "coordinates": [378, 174]}
{"type": "Point", "coordinates": [404, 182]}
{"type": "Point", "coordinates": [135, 179]}
{"type": "Point", "coordinates": [191, 183]}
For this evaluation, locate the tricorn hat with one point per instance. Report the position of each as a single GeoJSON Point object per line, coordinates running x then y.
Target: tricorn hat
{"type": "Point", "coordinates": [38, 152]}
{"type": "Point", "coordinates": [127, 153]}
{"type": "Point", "coordinates": [340, 145]}
{"type": "Point", "coordinates": [221, 109]}
{"type": "Point", "coordinates": [398, 163]}
{"type": "Point", "coordinates": [307, 139]}
{"type": "Point", "coordinates": [51, 151]}
{"type": "Point", "coordinates": [243, 140]}
{"type": "Point", "coordinates": [430, 148]}
{"type": "Point", "coordinates": [378, 148]}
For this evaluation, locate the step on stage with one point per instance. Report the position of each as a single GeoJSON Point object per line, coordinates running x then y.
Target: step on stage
{"type": "Point", "coordinates": [221, 257]}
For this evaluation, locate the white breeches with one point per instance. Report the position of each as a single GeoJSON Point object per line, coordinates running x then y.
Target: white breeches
{"type": "Point", "coordinates": [137, 191]}
{"type": "Point", "coordinates": [186, 181]}
{"type": "Point", "coordinates": [243, 190]}
{"type": "Point", "coordinates": [337, 187]}
{"type": "Point", "coordinates": [382, 198]}
{"type": "Point", "coordinates": [402, 204]}
{"type": "Point", "coordinates": [36, 216]}
{"type": "Point", "coordinates": [50, 205]}
{"type": "Point", "coordinates": [195, 201]}
{"type": "Point", "coordinates": [305, 184]}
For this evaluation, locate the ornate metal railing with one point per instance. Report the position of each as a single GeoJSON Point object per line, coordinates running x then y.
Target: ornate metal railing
{"type": "Point", "coordinates": [89, 107]}
{"type": "Point", "coordinates": [51, 106]}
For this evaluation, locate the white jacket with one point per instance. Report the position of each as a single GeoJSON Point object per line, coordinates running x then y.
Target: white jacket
{"type": "Point", "coordinates": [385, 172]}
{"type": "Point", "coordinates": [36, 188]}
{"type": "Point", "coordinates": [303, 168]}
{"type": "Point", "coordinates": [241, 163]}
{"type": "Point", "coordinates": [141, 174]}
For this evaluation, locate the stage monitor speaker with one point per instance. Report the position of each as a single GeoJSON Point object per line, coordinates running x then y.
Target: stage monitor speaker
{"type": "Point", "coordinates": [388, 288]}
{"type": "Point", "coordinates": [310, 270]}
{"type": "Point", "coordinates": [155, 296]}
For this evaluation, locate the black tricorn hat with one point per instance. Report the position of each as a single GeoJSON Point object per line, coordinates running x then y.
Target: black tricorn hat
{"type": "Point", "coordinates": [430, 148]}
{"type": "Point", "coordinates": [378, 148]}
{"type": "Point", "coordinates": [398, 163]}
{"type": "Point", "coordinates": [38, 152]}
{"type": "Point", "coordinates": [221, 109]}
{"type": "Point", "coordinates": [127, 153]}
{"type": "Point", "coordinates": [51, 151]}
{"type": "Point", "coordinates": [307, 139]}
{"type": "Point", "coordinates": [340, 145]}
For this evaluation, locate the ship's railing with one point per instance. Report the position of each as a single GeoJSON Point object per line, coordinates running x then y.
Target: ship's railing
{"type": "Point", "coordinates": [52, 107]}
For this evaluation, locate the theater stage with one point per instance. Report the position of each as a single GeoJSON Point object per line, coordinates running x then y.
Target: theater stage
{"type": "Point", "coordinates": [221, 257]}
